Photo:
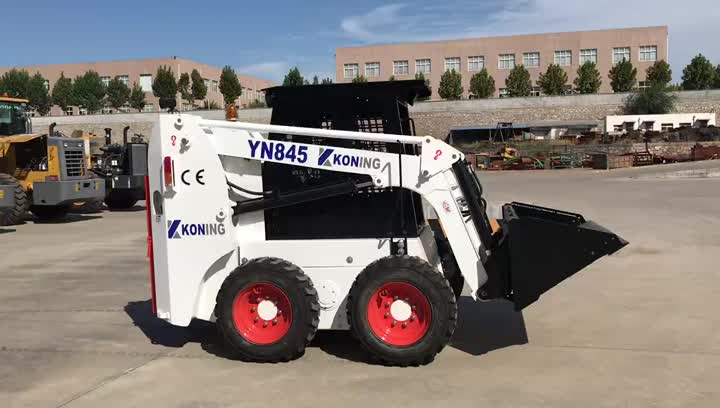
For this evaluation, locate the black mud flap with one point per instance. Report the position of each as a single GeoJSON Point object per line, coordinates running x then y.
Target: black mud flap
{"type": "Point", "coordinates": [541, 247]}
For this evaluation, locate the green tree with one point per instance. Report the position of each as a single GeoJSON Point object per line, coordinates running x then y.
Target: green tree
{"type": "Point", "coordinates": [199, 89]}
{"type": "Point", "coordinates": [89, 92]}
{"type": "Point", "coordinates": [62, 92]}
{"type": "Point", "coordinates": [137, 97]}
{"type": "Point", "coordinates": [518, 82]}
{"type": "Point", "coordinates": [699, 74]}
{"type": "Point", "coordinates": [717, 77]}
{"type": "Point", "coordinates": [653, 100]}
{"type": "Point", "coordinates": [482, 84]}
{"type": "Point", "coordinates": [420, 76]}
{"type": "Point", "coordinates": [38, 95]}
{"type": "Point", "coordinates": [451, 85]}
{"type": "Point", "coordinates": [659, 73]}
{"type": "Point", "coordinates": [623, 76]}
{"type": "Point", "coordinates": [15, 83]}
{"type": "Point", "coordinates": [360, 79]}
{"type": "Point", "coordinates": [588, 78]}
{"type": "Point", "coordinates": [184, 88]}
{"type": "Point", "coordinates": [391, 78]}
{"type": "Point", "coordinates": [327, 81]}
{"type": "Point", "coordinates": [316, 81]}
{"type": "Point", "coordinates": [553, 81]}
{"type": "Point", "coordinates": [230, 86]}
{"type": "Point", "coordinates": [118, 93]}
{"type": "Point", "coordinates": [293, 78]}
{"type": "Point", "coordinates": [165, 87]}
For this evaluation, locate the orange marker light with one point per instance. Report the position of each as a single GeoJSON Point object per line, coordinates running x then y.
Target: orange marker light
{"type": "Point", "coordinates": [168, 171]}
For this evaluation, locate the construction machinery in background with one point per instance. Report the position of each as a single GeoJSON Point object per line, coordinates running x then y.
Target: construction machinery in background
{"type": "Point", "coordinates": [123, 166]}
{"type": "Point", "coordinates": [50, 170]}
{"type": "Point", "coordinates": [9, 189]}
{"type": "Point", "coordinates": [230, 243]}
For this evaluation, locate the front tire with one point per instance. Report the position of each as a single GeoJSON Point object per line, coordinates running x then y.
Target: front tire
{"type": "Point", "coordinates": [267, 310]}
{"type": "Point", "coordinates": [116, 200]}
{"type": "Point", "coordinates": [14, 215]}
{"type": "Point", "coordinates": [402, 310]}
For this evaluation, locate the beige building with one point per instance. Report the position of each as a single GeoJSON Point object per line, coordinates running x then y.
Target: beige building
{"type": "Point", "coordinates": [142, 73]}
{"type": "Point", "coordinates": [642, 46]}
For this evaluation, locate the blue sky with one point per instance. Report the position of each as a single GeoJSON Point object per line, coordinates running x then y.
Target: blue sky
{"type": "Point", "coordinates": [266, 38]}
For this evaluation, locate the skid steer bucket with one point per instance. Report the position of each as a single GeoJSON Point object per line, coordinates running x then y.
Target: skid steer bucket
{"type": "Point", "coordinates": [540, 247]}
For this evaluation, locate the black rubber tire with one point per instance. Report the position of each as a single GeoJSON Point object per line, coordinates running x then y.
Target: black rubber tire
{"type": "Point", "coordinates": [430, 282]}
{"type": "Point", "coordinates": [305, 309]}
{"type": "Point", "coordinates": [88, 207]}
{"type": "Point", "coordinates": [14, 215]}
{"type": "Point", "coordinates": [116, 200]}
{"type": "Point", "coordinates": [50, 212]}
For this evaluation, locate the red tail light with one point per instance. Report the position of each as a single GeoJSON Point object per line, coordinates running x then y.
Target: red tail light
{"type": "Point", "coordinates": [168, 171]}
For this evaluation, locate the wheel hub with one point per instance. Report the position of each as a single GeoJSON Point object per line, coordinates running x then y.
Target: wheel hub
{"type": "Point", "coordinates": [262, 313]}
{"type": "Point", "coordinates": [399, 314]}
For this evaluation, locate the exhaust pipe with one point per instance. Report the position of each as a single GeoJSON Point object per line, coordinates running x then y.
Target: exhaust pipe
{"type": "Point", "coordinates": [125, 134]}
{"type": "Point", "coordinates": [108, 136]}
{"type": "Point", "coordinates": [51, 131]}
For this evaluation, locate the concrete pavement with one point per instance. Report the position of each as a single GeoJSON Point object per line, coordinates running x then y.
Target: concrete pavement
{"type": "Point", "coordinates": [639, 328]}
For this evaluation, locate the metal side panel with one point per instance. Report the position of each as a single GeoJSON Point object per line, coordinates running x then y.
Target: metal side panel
{"type": "Point", "coordinates": [66, 192]}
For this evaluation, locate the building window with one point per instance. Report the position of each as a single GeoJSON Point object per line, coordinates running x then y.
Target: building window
{"type": "Point", "coordinates": [643, 84]}
{"type": "Point", "coordinates": [82, 111]}
{"type": "Point", "coordinates": [207, 83]}
{"type": "Point", "coordinates": [476, 63]}
{"type": "Point", "coordinates": [648, 53]}
{"type": "Point", "coordinates": [69, 111]}
{"type": "Point", "coordinates": [214, 86]}
{"type": "Point", "coordinates": [47, 84]}
{"type": "Point", "coordinates": [123, 78]}
{"type": "Point", "coordinates": [105, 80]}
{"type": "Point", "coordinates": [401, 67]}
{"type": "Point", "coordinates": [666, 126]}
{"type": "Point", "coordinates": [106, 111]}
{"type": "Point", "coordinates": [536, 91]}
{"type": "Point", "coordinates": [684, 125]}
{"type": "Point", "coordinates": [506, 61]}
{"type": "Point", "coordinates": [621, 53]}
{"type": "Point", "coordinates": [531, 59]}
{"type": "Point", "coordinates": [563, 57]}
{"type": "Point", "coordinates": [146, 82]}
{"type": "Point", "coordinates": [422, 66]}
{"type": "Point", "coordinates": [149, 108]}
{"type": "Point", "coordinates": [452, 63]}
{"type": "Point", "coordinates": [351, 71]}
{"type": "Point", "coordinates": [372, 69]}
{"type": "Point", "coordinates": [504, 93]}
{"type": "Point", "coordinates": [588, 55]}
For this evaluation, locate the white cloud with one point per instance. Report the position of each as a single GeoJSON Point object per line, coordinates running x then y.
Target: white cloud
{"type": "Point", "coordinates": [692, 24]}
{"type": "Point", "coordinates": [274, 70]}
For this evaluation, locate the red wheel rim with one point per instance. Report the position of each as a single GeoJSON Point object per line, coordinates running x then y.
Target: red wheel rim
{"type": "Point", "coordinates": [399, 314]}
{"type": "Point", "coordinates": [262, 313]}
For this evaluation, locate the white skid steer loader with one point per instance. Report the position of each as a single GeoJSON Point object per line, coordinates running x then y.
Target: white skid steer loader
{"type": "Point", "coordinates": [213, 259]}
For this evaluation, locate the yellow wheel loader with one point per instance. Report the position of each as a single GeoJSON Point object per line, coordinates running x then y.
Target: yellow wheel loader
{"type": "Point", "coordinates": [50, 171]}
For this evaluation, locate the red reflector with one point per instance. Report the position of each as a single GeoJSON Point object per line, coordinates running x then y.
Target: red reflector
{"type": "Point", "coordinates": [168, 170]}
{"type": "Point", "coordinates": [51, 178]}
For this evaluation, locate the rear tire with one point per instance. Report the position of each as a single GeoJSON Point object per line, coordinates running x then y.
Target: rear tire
{"type": "Point", "coordinates": [119, 201]}
{"type": "Point", "coordinates": [50, 212]}
{"type": "Point", "coordinates": [267, 310]}
{"type": "Point", "coordinates": [402, 310]}
{"type": "Point", "coordinates": [14, 215]}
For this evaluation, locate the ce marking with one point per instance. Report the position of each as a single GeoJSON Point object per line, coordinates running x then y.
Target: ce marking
{"type": "Point", "coordinates": [198, 177]}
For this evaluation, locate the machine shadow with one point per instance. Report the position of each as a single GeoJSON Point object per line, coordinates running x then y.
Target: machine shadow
{"type": "Point", "coordinates": [135, 208]}
{"type": "Point", "coordinates": [487, 326]}
{"type": "Point", "coordinates": [165, 334]}
{"type": "Point", "coordinates": [7, 230]}
{"type": "Point", "coordinates": [482, 328]}
{"type": "Point", "coordinates": [69, 219]}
